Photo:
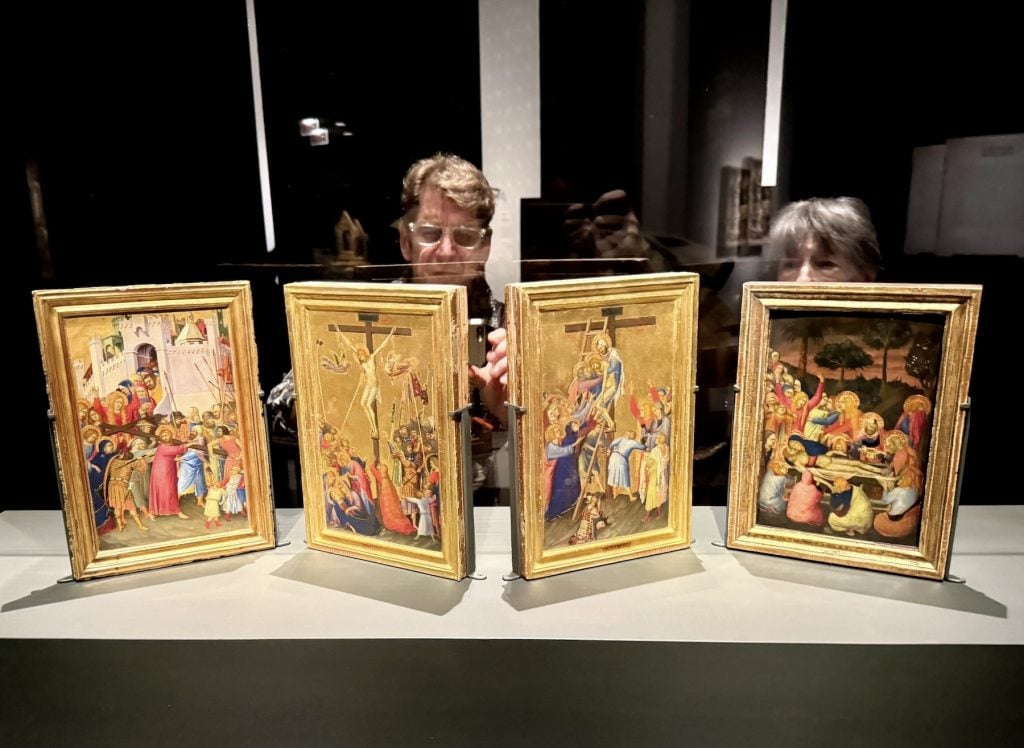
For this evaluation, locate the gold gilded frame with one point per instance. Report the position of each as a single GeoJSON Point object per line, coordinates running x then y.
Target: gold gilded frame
{"type": "Point", "coordinates": [957, 307]}
{"type": "Point", "coordinates": [551, 327]}
{"type": "Point", "coordinates": [231, 303]}
{"type": "Point", "coordinates": [329, 387]}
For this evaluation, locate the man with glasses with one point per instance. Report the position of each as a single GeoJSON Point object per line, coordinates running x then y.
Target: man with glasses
{"type": "Point", "coordinates": [445, 235]}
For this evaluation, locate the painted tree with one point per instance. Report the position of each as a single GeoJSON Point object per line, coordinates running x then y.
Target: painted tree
{"type": "Point", "coordinates": [886, 334]}
{"type": "Point", "coordinates": [923, 360]}
{"type": "Point", "coordinates": [843, 356]}
{"type": "Point", "coordinates": [806, 330]}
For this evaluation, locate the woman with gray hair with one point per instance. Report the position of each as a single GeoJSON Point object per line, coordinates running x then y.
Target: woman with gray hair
{"type": "Point", "coordinates": [825, 239]}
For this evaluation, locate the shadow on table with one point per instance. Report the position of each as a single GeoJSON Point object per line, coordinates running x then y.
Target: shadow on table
{"type": "Point", "coordinates": [66, 591]}
{"type": "Point", "coordinates": [948, 595]}
{"type": "Point", "coordinates": [522, 594]}
{"type": "Point", "coordinates": [386, 584]}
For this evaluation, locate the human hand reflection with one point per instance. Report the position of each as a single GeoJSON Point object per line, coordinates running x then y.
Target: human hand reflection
{"type": "Point", "coordinates": [492, 379]}
{"type": "Point", "coordinates": [607, 228]}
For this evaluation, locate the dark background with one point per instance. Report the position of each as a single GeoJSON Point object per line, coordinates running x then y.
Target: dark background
{"type": "Point", "coordinates": [407, 692]}
{"type": "Point", "coordinates": [140, 123]}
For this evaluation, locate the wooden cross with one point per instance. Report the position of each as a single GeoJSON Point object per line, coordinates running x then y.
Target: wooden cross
{"type": "Point", "coordinates": [369, 329]}
{"type": "Point", "coordinates": [610, 322]}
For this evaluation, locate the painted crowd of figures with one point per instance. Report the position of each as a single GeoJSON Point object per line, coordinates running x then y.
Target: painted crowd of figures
{"type": "Point", "coordinates": [141, 464]}
{"type": "Point", "coordinates": [591, 463]}
{"type": "Point", "coordinates": [829, 466]}
{"type": "Point", "coordinates": [405, 494]}
{"type": "Point", "coordinates": [404, 497]}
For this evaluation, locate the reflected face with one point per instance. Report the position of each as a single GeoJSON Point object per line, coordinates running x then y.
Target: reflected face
{"type": "Point", "coordinates": [446, 261]}
{"type": "Point", "coordinates": [813, 263]}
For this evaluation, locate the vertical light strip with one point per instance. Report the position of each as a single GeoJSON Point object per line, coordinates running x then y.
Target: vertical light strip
{"type": "Point", "coordinates": [666, 90]}
{"type": "Point", "coordinates": [509, 122]}
{"type": "Point", "coordinates": [773, 95]}
{"type": "Point", "coordinates": [261, 130]}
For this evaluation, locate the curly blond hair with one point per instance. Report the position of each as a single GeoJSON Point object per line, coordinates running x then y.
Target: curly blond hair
{"type": "Point", "coordinates": [455, 178]}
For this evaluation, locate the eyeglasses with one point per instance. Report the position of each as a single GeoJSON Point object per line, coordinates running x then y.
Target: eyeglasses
{"type": "Point", "coordinates": [466, 237]}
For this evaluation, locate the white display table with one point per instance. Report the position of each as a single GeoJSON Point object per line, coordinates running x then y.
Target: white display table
{"type": "Point", "coordinates": [703, 594]}
{"type": "Point", "coordinates": [704, 647]}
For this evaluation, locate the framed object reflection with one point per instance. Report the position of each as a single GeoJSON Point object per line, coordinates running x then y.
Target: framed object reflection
{"type": "Point", "coordinates": [158, 427]}
{"type": "Point", "coordinates": [378, 370]}
{"type": "Point", "coordinates": [605, 369]}
{"type": "Point", "coordinates": [850, 421]}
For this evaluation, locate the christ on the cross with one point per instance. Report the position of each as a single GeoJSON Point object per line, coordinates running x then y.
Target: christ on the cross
{"type": "Point", "coordinates": [370, 382]}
